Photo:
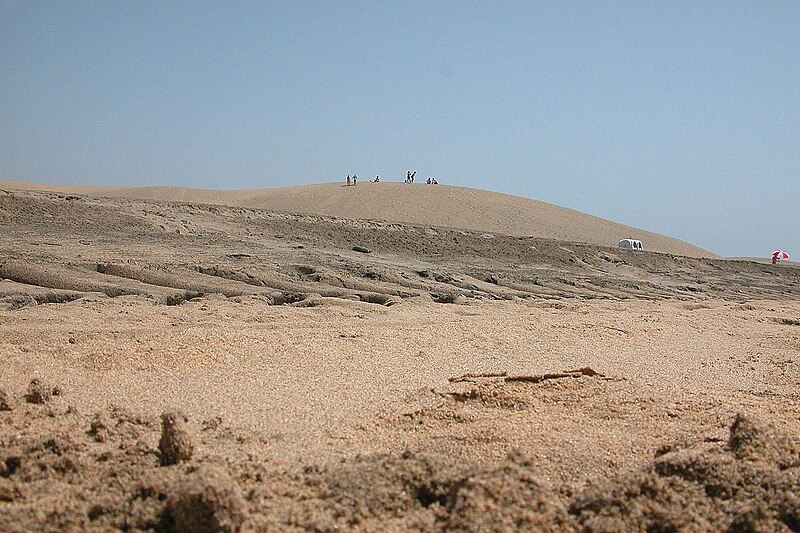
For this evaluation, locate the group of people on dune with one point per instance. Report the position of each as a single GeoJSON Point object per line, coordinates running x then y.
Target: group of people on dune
{"type": "Point", "coordinates": [353, 180]}
{"type": "Point", "coordinates": [411, 175]}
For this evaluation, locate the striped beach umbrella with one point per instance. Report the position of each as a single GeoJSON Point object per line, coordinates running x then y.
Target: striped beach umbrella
{"type": "Point", "coordinates": [777, 255]}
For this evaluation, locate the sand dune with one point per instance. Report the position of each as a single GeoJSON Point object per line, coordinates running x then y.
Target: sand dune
{"type": "Point", "coordinates": [441, 206]}
{"type": "Point", "coordinates": [317, 373]}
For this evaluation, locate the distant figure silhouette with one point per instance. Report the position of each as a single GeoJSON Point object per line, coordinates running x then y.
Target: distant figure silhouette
{"type": "Point", "coordinates": [433, 180]}
{"type": "Point", "coordinates": [429, 181]}
{"type": "Point", "coordinates": [348, 179]}
{"type": "Point", "coordinates": [377, 179]}
{"type": "Point", "coordinates": [413, 175]}
{"type": "Point", "coordinates": [355, 179]}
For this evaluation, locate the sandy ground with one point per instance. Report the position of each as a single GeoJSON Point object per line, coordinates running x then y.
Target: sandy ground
{"type": "Point", "coordinates": [442, 380]}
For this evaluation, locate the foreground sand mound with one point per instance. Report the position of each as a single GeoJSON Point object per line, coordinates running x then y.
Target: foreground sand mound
{"type": "Point", "coordinates": [750, 486]}
{"type": "Point", "coordinates": [207, 501]}
{"type": "Point", "coordinates": [175, 444]}
{"type": "Point", "coordinates": [105, 472]}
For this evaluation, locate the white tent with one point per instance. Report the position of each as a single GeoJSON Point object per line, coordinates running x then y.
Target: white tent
{"type": "Point", "coordinates": [630, 244]}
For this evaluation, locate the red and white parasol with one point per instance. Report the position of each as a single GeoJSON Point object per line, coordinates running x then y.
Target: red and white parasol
{"type": "Point", "coordinates": [779, 254]}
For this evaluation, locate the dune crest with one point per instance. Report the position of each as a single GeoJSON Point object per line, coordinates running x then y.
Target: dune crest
{"type": "Point", "coordinates": [440, 205]}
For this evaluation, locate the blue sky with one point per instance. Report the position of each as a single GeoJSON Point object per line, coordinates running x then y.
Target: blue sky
{"type": "Point", "coordinates": [677, 117]}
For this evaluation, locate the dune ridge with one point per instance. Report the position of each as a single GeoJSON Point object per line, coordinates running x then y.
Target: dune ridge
{"type": "Point", "coordinates": [441, 205]}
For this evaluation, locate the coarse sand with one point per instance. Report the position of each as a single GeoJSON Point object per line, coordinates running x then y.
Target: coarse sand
{"type": "Point", "coordinates": [189, 367]}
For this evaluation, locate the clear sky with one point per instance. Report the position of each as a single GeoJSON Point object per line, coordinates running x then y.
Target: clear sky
{"type": "Point", "coordinates": [677, 117]}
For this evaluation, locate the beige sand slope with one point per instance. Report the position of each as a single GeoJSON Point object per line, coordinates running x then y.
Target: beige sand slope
{"type": "Point", "coordinates": [441, 205]}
